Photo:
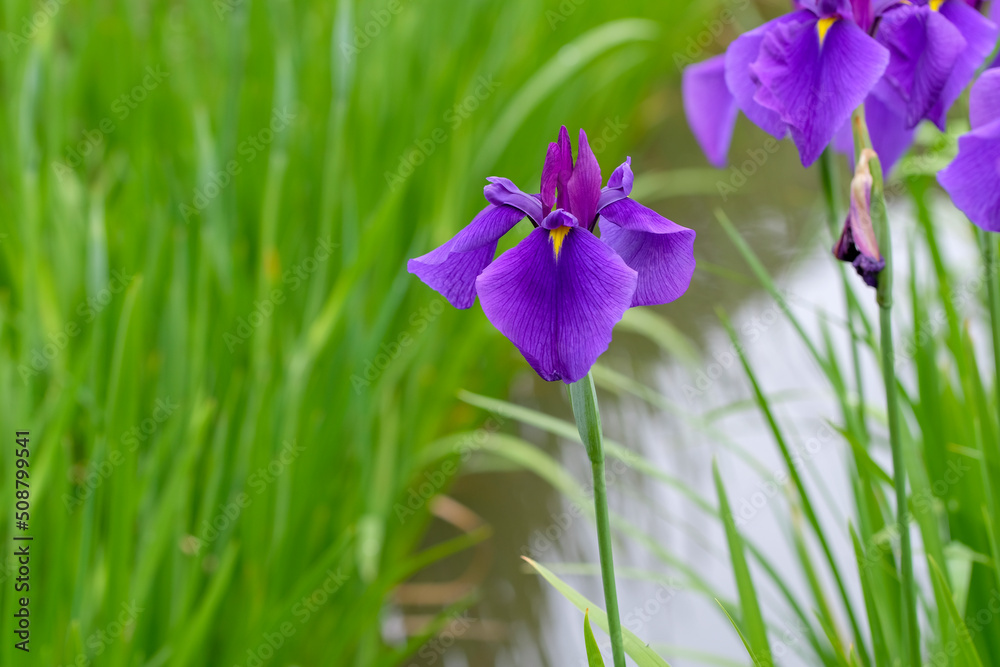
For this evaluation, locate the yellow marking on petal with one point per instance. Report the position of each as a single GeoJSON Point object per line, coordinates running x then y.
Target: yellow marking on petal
{"type": "Point", "coordinates": [824, 26]}
{"type": "Point", "coordinates": [558, 235]}
{"type": "Point", "coordinates": [936, 5]}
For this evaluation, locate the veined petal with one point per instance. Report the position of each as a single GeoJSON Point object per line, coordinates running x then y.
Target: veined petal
{"type": "Point", "coordinates": [924, 47]}
{"type": "Point", "coordinates": [662, 252]}
{"type": "Point", "coordinates": [558, 311]}
{"type": "Point", "coordinates": [584, 187]}
{"type": "Point", "coordinates": [971, 179]}
{"type": "Point", "coordinates": [981, 36]}
{"type": "Point", "coordinates": [815, 86]}
{"type": "Point", "coordinates": [739, 56]}
{"type": "Point", "coordinates": [984, 103]}
{"type": "Point", "coordinates": [558, 168]}
{"type": "Point", "coordinates": [503, 192]}
{"type": "Point", "coordinates": [451, 269]}
{"type": "Point", "coordinates": [710, 108]}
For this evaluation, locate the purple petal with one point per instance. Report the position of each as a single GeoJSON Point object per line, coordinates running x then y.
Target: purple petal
{"type": "Point", "coordinates": [451, 269]}
{"type": "Point", "coordinates": [710, 108]}
{"type": "Point", "coordinates": [984, 103]}
{"type": "Point", "coordinates": [828, 8]}
{"type": "Point", "coordinates": [622, 177]}
{"type": "Point", "coordinates": [559, 218]}
{"type": "Point", "coordinates": [558, 310]}
{"type": "Point", "coordinates": [815, 88]}
{"type": "Point", "coordinates": [619, 185]}
{"type": "Point", "coordinates": [739, 57]}
{"type": "Point", "coordinates": [971, 179]}
{"type": "Point", "coordinates": [502, 192]}
{"type": "Point", "coordinates": [661, 251]}
{"type": "Point", "coordinates": [924, 48]}
{"type": "Point", "coordinates": [981, 36]}
{"type": "Point", "coordinates": [584, 187]}
{"type": "Point", "coordinates": [558, 168]}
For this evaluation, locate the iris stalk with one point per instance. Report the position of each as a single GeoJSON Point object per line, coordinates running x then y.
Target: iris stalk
{"type": "Point", "coordinates": [588, 420]}
{"type": "Point", "coordinates": [880, 222]}
{"type": "Point", "coordinates": [989, 248]}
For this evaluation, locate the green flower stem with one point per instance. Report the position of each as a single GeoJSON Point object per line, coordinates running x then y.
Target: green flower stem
{"type": "Point", "coordinates": [588, 421]}
{"type": "Point", "coordinates": [989, 246]}
{"type": "Point", "coordinates": [880, 221]}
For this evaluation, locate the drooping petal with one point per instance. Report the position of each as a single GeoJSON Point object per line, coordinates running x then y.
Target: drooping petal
{"type": "Point", "coordinates": [858, 244]}
{"type": "Point", "coordinates": [558, 168]}
{"type": "Point", "coordinates": [710, 108]}
{"type": "Point", "coordinates": [981, 36]}
{"type": "Point", "coordinates": [984, 103]}
{"type": "Point", "coordinates": [558, 310]}
{"type": "Point", "coordinates": [741, 83]}
{"type": "Point", "coordinates": [452, 269]}
{"type": "Point", "coordinates": [662, 252]}
{"type": "Point", "coordinates": [503, 192]}
{"type": "Point", "coordinates": [584, 187]}
{"type": "Point", "coordinates": [971, 179]}
{"type": "Point", "coordinates": [815, 78]}
{"type": "Point", "coordinates": [924, 47]}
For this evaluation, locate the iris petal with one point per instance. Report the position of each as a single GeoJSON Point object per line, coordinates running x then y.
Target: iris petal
{"type": "Point", "coordinates": [971, 179]}
{"type": "Point", "coordinates": [584, 187]}
{"type": "Point", "coordinates": [924, 47]}
{"type": "Point", "coordinates": [558, 312]}
{"type": "Point", "coordinates": [816, 88]}
{"type": "Point", "coordinates": [981, 36]}
{"type": "Point", "coordinates": [662, 252]}
{"type": "Point", "coordinates": [503, 192]}
{"type": "Point", "coordinates": [558, 168]}
{"type": "Point", "coordinates": [739, 56]}
{"type": "Point", "coordinates": [984, 103]}
{"type": "Point", "coordinates": [451, 269]}
{"type": "Point", "coordinates": [710, 108]}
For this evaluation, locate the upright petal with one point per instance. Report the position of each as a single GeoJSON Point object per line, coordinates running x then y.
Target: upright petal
{"type": "Point", "coordinates": [739, 56]}
{"type": "Point", "coordinates": [661, 251]}
{"type": "Point", "coordinates": [584, 186]}
{"type": "Point", "coordinates": [924, 47]}
{"type": "Point", "coordinates": [559, 310]}
{"type": "Point", "coordinates": [984, 103]}
{"type": "Point", "coordinates": [981, 36]}
{"type": "Point", "coordinates": [971, 179]}
{"type": "Point", "coordinates": [815, 79]}
{"type": "Point", "coordinates": [557, 170]}
{"type": "Point", "coordinates": [710, 107]}
{"type": "Point", "coordinates": [452, 269]}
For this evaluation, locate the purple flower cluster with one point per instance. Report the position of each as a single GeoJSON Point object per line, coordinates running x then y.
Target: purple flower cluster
{"type": "Point", "coordinates": [803, 74]}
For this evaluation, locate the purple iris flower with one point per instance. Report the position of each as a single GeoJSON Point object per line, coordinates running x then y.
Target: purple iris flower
{"type": "Point", "coordinates": [936, 47]}
{"type": "Point", "coordinates": [558, 293]}
{"type": "Point", "coordinates": [802, 74]}
{"type": "Point", "coordinates": [972, 178]}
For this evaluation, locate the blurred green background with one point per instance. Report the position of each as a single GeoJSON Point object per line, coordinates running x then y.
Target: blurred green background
{"type": "Point", "coordinates": [231, 383]}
